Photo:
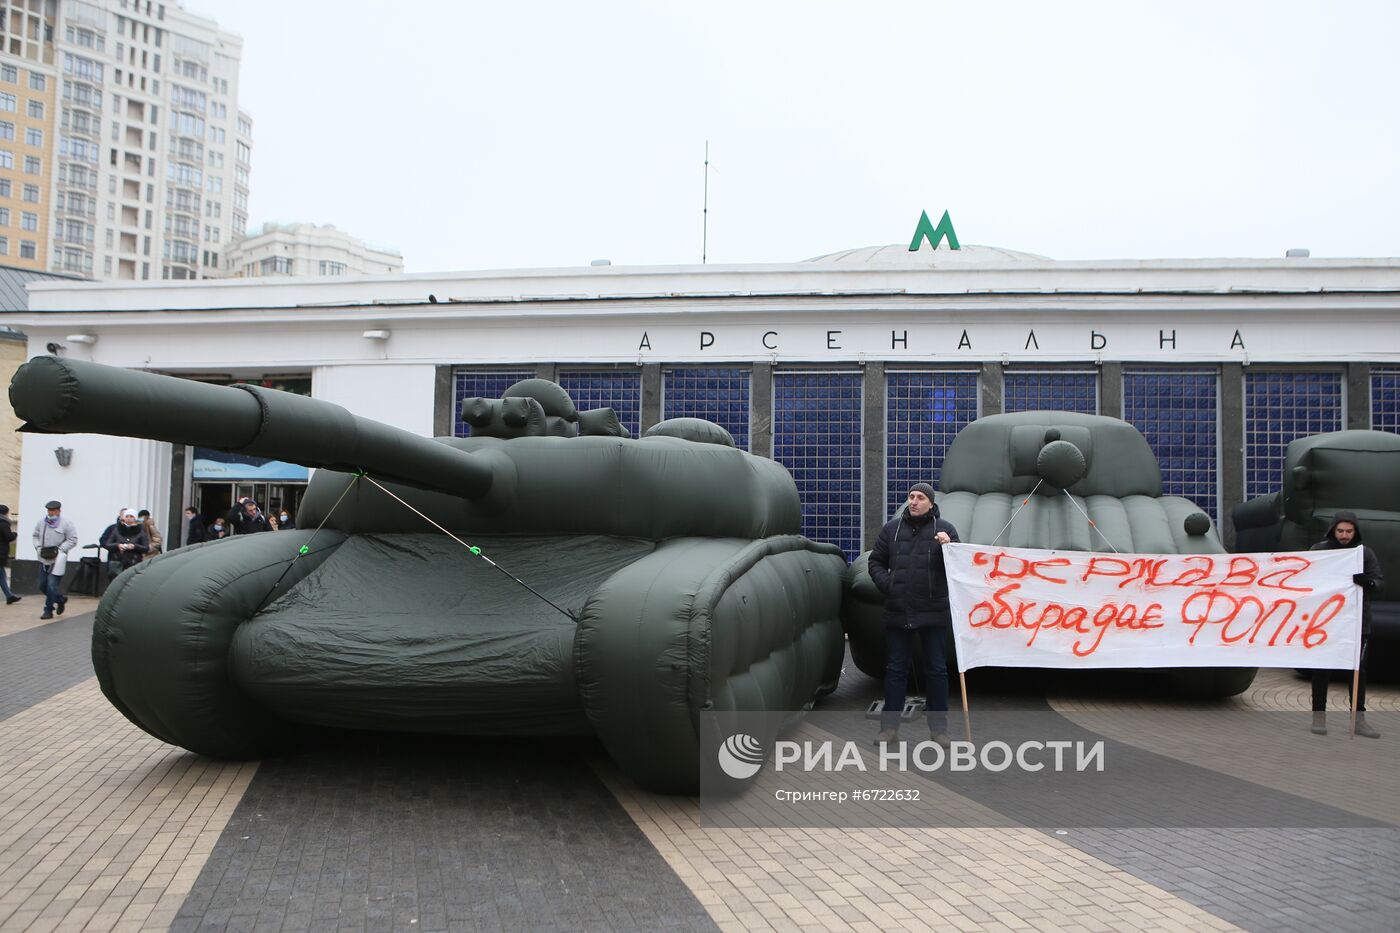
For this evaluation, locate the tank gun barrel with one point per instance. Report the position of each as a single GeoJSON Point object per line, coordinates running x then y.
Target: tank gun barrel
{"type": "Point", "coordinates": [59, 396]}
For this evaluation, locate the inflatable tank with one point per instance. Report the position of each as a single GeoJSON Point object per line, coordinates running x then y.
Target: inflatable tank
{"type": "Point", "coordinates": [996, 462]}
{"type": "Point", "coordinates": [631, 583]}
{"type": "Point", "coordinates": [1357, 471]}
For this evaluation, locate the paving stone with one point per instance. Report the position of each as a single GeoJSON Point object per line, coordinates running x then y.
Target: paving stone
{"type": "Point", "coordinates": [428, 827]}
{"type": "Point", "coordinates": [43, 661]}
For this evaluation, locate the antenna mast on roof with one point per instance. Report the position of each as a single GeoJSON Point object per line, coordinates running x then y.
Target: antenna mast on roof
{"type": "Point", "coordinates": [705, 225]}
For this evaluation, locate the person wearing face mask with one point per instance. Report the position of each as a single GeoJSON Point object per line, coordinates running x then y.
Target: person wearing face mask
{"type": "Point", "coordinates": [906, 565]}
{"type": "Point", "coordinates": [285, 522]}
{"type": "Point", "coordinates": [126, 542]}
{"type": "Point", "coordinates": [218, 529]}
{"type": "Point", "coordinates": [54, 537]}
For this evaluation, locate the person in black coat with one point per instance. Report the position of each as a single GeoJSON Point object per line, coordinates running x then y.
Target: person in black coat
{"type": "Point", "coordinates": [249, 519]}
{"type": "Point", "coordinates": [126, 543]}
{"type": "Point", "coordinates": [1345, 532]}
{"type": "Point", "coordinates": [906, 565]}
{"type": "Point", "coordinates": [7, 537]}
{"type": "Point", "coordinates": [195, 530]}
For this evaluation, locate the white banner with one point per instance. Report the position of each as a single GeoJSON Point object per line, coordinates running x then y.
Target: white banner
{"type": "Point", "coordinates": [1017, 607]}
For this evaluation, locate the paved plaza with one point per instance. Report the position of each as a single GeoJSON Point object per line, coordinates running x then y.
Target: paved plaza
{"type": "Point", "coordinates": [104, 828]}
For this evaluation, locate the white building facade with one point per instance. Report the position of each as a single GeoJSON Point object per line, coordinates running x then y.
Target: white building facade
{"type": "Point", "coordinates": [855, 370]}
{"type": "Point", "coordinates": [306, 249]}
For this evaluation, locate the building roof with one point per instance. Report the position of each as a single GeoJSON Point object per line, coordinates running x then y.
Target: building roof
{"type": "Point", "coordinates": [13, 296]}
{"type": "Point", "coordinates": [897, 254]}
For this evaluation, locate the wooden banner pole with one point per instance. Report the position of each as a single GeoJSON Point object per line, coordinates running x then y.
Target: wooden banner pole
{"type": "Point", "coordinates": [967, 720]}
{"type": "Point", "coordinates": [1355, 688]}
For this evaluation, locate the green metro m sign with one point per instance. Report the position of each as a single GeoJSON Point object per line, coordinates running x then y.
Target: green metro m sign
{"type": "Point", "coordinates": [934, 235]}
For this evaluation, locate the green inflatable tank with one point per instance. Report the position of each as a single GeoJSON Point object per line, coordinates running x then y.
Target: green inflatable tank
{"type": "Point", "coordinates": [631, 584]}
{"type": "Point", "coordinates": [1104, 463]}
{"type": "Point", "coordinates": [1357, 471]}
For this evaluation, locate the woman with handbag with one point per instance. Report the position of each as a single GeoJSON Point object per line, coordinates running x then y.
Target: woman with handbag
{"type": "Point", "coordinates": [126, 543]}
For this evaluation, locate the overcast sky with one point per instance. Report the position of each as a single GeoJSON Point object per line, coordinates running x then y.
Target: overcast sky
{"type": "Point", "coordinates": [474, 135]}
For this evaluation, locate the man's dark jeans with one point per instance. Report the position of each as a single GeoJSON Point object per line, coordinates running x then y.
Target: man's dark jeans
{"type": "Point", "coordinates": [1320, 680]}
{"type": "Point", "coordinates": [899, 653]}
{"type": "Point", "coordinates": [48, 585]}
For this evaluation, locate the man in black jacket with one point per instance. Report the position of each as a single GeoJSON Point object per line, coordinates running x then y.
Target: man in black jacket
{"type": "Point", "coordinates": [1345, 532]}
{"type": "Point", "coordinates": [7, 535]}
{"type": "Point", "coordinates": [249, 519]}
{"type": "Point", "coordinates": [906, 565]}
{"type": "Point", "coordinates": [196, 531]}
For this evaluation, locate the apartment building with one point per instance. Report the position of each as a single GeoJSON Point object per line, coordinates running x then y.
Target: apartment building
{"type": "Point", "coordinates": [129, 158]}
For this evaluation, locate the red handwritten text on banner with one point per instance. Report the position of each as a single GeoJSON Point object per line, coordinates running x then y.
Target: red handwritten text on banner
{"type": "Point", "coordinates": [1015, 607]}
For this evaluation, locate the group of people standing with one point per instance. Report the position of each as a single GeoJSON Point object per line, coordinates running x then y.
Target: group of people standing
{"type": "Point", "coordinates": [245, 518]}
{"type": "Point", "coordinates": [906, 565]}
{"type": "Point", "coordinates": [132, 538]}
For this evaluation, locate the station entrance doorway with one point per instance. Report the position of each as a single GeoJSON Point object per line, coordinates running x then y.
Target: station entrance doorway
{"type": "Point", "coordinates": [217, 498]}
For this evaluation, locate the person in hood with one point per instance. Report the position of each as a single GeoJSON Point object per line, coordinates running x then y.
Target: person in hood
{"type": "Point", "coordinates": [1345, 532]}
{"type": "Point", "coordinates": [126, 542]}
{"type": "Point", "coordinates": [906, 565]}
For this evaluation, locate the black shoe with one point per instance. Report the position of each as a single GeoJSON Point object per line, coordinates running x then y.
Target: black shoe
{"type": "Point", "coordinates": [1364, 728]}
{"type": "Point", "coordinates": [48, 614]}
{"type": "Point", "coordinates": [11, 600]}
{"type": "Point", "coordinates": [61, 604]}
{"type": "Point", "coordinates": [1319, 724]}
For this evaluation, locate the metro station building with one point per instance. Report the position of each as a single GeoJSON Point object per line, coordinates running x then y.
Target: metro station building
{"type": "Point", "coordinates": [855, 370]}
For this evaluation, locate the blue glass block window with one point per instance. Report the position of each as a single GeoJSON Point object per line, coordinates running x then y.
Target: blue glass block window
{"type": "Point", "coordinates": [1052, 391]}
{"type": "Point", "coordinates": [1385, 399]}
{"type": "Point", "coordinates": [480, 383]}
{"type": "Point", "coordinates": [817, 436]}
{"type": "Point", "coordinates": [1177, 411]}
{"type": "Point", "coordinates": [1282, 407]}
{"type": "Point", "coordinates": [923, 412]}
{"type": "Point", "coordinates": [620, 390]}
{"type": "Point", "coordinates": [718, 395]}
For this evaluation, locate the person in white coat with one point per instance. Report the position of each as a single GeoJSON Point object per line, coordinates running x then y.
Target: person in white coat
{"type": "Point", "coordinates": [54, 537]}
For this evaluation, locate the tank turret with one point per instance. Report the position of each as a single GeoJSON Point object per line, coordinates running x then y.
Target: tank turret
{"type": "Point", "coordinates": [632, 583]}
